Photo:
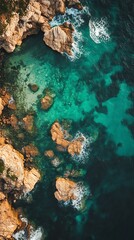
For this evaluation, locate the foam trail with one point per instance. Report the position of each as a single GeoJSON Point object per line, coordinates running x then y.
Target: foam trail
{"type": "Point", "coordinates": [99, 30]}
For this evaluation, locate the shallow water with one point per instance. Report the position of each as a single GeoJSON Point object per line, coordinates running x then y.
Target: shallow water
{"type": "Point", "coordinates": [93, 92]}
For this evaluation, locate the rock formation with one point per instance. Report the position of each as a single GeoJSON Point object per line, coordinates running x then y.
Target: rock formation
{"type": "Point", "coordinates": [59, 136]}
{"type": "Point", "coordinates": [60, 38]}
{"type": "Point", "coordinates": [1, 106]}
{"type": "Point", "coordinates": [9, 220]}
{"type": "Point", "coordinates": [46, 102]}
{"type": "Point", "coordinates": [65, 189]}
{"type": "Point", "coordinates": [30, 151]}
{"type": "Point", "coordinates": [13, 172]}
{"type": "Point", "coordinates": [37, 16]}
{"type": "Point", "coordinates": [28, 123]}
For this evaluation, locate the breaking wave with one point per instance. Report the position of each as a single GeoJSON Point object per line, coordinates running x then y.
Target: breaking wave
{"type": "Point", "coordinates": [99, 30]}
{"type": "Point", "coordinates": [85, 151]}
{"type": "Point", "coordinates": [34, 234]}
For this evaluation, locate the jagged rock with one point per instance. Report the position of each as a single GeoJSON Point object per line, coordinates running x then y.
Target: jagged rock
{"type": "Point", "coordinates": [2, 196]}
{"type": "Point", "coordinates": [1, 106]}
{"type": "Point", "coordinates": [60, 38]}
{"type": "Point", "coordinates": [59, 135]}
{"type": "Point", "coordinates": [28, 123]}
{"type": "Point", "coordinates": [2, 140]}
{"type": "Point", "coordinates": [30, 179]}
{"type": "Point", "coordinates": [65, 189]}
{"type": "Point", "coordinates": [30, 151]}
{"type": "Point", "coordinates": [75, 147]}
{"type": "Point", "coordinates": [14, 122]}
{"type": "Point", "coordinates": [9, 220]}
{"type": "Point", "coordinates": [46, 102]}
{"type": "Point", "coordinates": [12, 170]}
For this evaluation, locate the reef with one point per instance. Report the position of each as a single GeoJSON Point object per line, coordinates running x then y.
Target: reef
{"type": "Point", "coordinates": [36, 16]}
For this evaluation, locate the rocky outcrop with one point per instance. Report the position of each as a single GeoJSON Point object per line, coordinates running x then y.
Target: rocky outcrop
{"type": "Point", "coordinates": [13, 172]}
{"type": "Point", "coordinates": [9, 220]}
{"type": "Point", "coordinates": [30, 179]}
{"type": "Point", "coordinates": [59, 136]}
{"type": "Point", "coordinates": [1, 106]}
{"type": "Point", "coordinates": [46, 102]}
{"type": "Point", "coordinates": [60, 38]}
{"type": "Point", "coordinates": [65, 189]}
{"type": "Point", "coordinates": [37, 16]}
{"type": "Point", "coordinates": [30, 151]}
{"type": "Point", "coordinates": [28, 123]}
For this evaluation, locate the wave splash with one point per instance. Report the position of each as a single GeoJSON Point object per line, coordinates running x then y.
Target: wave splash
{"type": "Point", "coordinates": [85, 151]}
{"type": "Point", "coordinates": [75, 17]}
{"type": "Point", "coordinates": [34, 234]}
{"type": "Point", "coordinates": [99, 30]}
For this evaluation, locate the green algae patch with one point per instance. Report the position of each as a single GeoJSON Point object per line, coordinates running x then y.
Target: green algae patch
{"type": "Point", "coordinates": [2, 167]}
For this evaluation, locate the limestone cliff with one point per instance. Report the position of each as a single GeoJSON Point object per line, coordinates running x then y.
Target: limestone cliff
{"type": "Point", "coordinates": [36, 16]}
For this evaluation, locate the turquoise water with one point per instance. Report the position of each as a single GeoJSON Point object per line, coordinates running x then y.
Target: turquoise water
{"type": "Point", "coordinates": [93, 93]}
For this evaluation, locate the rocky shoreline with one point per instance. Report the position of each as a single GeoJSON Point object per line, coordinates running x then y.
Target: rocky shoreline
{"type": "Point", "coordinates": [36, 17]}
{"type": "Point", "coordinates": [18, 176]}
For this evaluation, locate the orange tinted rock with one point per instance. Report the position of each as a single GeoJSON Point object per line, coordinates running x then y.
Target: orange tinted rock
{"type": "Point", "coordinates": [9, 220]}
{"type": "Point", "coordinates": [30, 150]}
{"type": "Point", "coordinates": [2, 140]}
{"type": "Point", "coordinates": [46, 102]}
{"type": "Point", "coordinates": [60, 38]}
{"type": "Point", "coordinates": [2, 196]}
{"type": "Point", "coordinates": [30, 179]}
{"type": "Point", "coordinates": [75, 147]}
{"type": "Point", "coordinates": [1, 106]}
{"type": "Point", "coordinates": [49, 153]}
{"type": "Point", "coordinates": [65, 189]}
{"type": "Point", "coordinates": [14, 122]}
{"type": "Point", "coordinates": [28, 123]}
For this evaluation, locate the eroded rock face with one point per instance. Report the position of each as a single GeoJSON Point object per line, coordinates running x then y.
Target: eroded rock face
{"type": "Point", "coordinates": [9, 220]}
{"type": "Point", "coordinates": [36, 17]}
{"type": "Point", "coordinates": [60, 38]}
{"type": "Point", "coordinates": [58, 135]}
{"type": "Point", "coordinates": [1, 106]}
{"type": "Point", "coordinates": [65, 189]}
{"type": "Point", "coordinates": [30, 179]}
{"type": "Point", "coordinates": [13, 172]}
{"type": "Point", "coordinates": [30, 151]}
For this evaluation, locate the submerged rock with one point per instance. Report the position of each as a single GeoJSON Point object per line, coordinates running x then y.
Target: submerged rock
{"type": "Point", "coordinates": [33, 87]}
{"type": "Point", "coordinates": [49, 153]}
{"type": "Point", "coordinates": [30, 151]}
{"type": "Point", "coordinates": [46, 102]}
{"type": "Point", "coordinates": [65, 189]}
{"type": "Point", "coordinates": [28, 122]}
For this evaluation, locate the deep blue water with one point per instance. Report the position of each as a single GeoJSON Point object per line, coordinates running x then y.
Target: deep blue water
{"type": "Point", "coordinates": [94, 94]}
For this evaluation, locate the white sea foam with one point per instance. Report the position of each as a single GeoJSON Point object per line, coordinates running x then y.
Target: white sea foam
{"type": "Point", "coordinates": [99, 30]}
{"type": "Point", "coordinates": [34, 234]}
{"type": "Point", "coordinates": [81, 192]}
{"type": "Point", "coordinates": [85, 151]}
